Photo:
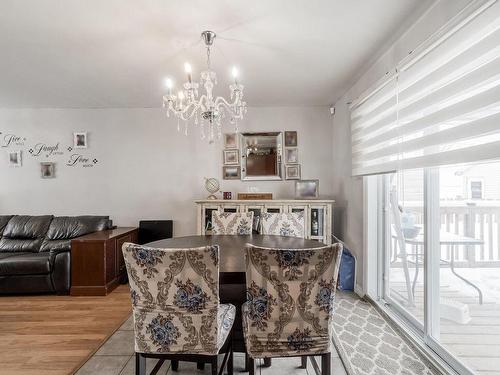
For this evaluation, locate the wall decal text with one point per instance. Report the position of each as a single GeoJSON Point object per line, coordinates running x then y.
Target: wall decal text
{"type": "Point", "coordinates": [43, 148]}
{"type": "Point", "coordinates": [11, 140]}
{"type": "Point", "coordinates": [81, 160]}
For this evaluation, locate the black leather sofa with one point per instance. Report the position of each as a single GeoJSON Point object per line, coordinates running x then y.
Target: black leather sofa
{"type": "Point", "coordinates": [35, 251]}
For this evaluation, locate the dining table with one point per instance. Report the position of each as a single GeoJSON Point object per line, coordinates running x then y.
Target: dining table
{"type": "Point", "coordinates": [232, 283]}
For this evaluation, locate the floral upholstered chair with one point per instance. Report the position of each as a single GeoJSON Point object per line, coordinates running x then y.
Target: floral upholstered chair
{"type": "Point", "coordinates": [176, 309]}
{"type": "Point", "coordinates": [284, 224]}
{"type": "Point", "coordinates": [235, 223]}
{"type": "Point", "coordinates": [290, 300]}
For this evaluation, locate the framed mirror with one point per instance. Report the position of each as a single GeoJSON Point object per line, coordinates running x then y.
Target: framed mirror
{"type": "Point", "coordinates": [261, 156]}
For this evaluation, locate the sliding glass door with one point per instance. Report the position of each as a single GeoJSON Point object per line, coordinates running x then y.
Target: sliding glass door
{"type": "Point", "coordinates": [404, 250]}
{"type": "Point", "coordinates": [441, 256]}
{"type": "Point", "coordinates": [430, 130]}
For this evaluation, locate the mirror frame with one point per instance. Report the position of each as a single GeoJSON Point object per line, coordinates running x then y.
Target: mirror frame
{"type": "Point", "coordinates": [279, 150]}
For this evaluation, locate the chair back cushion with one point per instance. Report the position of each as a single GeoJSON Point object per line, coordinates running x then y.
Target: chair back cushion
{"type": "Point", "coordinates": [239, 223]}
{"type": "Point", "coordinates": [284, 224]}
{"type": "Point", "coordinates": [175, 298]}
{"type": "Point", "coordinates": [24, 233]}
{"type": "Point", "coordinates": [290, 297]}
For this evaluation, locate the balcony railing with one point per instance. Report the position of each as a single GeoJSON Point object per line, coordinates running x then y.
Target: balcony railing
{"type": "Point", "coordinates": [476, 219]}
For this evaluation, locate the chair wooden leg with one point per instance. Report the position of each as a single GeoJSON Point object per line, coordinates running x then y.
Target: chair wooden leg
{"type": "Point", "coordinates": [200, 365]}
{"type": "Point", "coordinates": [175, 365]}
{"type": "Point", "coordinates": [326, 364]}
{"type": "Point", "coordinates": [252, 369]}
{"type": "Point", "coordinates": [140, 364]}
{"type": "Point", "coordinates": [214, 365]}
{"type": "Point", "coordinates": [267, 362]}
{"type": "Point", "coordinates": [303, 362]}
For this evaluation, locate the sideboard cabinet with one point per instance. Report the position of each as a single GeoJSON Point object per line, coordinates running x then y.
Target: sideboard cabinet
{"type": "Point", "coordinates": [97, 261]}
{"type": "Point", "coordinates": [318, 214]}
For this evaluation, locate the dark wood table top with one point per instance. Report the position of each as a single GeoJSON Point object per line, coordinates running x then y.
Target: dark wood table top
{"type": "Point", "coordinates": [231, 248]}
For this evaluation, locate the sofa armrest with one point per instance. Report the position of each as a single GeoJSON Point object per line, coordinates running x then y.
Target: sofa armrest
{"type": "Point", "coordinates": [54, 253]}
{"type": "Point", "coordinates": [60, 260]}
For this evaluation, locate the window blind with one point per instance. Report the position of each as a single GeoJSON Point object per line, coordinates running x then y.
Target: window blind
{"type": "Point", "coordinates": [441, 107]}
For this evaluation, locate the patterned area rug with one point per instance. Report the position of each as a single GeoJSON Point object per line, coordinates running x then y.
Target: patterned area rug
{"type": "Point", "coordinates": [368, 345]}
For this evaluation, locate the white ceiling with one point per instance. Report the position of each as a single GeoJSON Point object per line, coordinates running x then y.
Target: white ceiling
{"type": "Point", "coordinates": [116, 53]}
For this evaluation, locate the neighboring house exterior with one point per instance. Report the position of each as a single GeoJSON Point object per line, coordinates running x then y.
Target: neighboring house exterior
{"type": "Point", "coordinates": [480, 182]}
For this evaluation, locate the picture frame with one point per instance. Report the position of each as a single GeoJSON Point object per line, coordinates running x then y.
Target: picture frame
{"type": "Point", "coordinates": [292, 172]}
{"type": "Point", "coordinates": [15, 158]}
{"type": "Point", "coordinates": [291, 139]}
{"type": "Point", "coordinates": [48, 170]}
{"type": "Point", "coordinates": [231, 157]}
{"type": "Point", "coordinates": [292, 155]}
{"type": "Point", "coordinates": [307, 189]}
{"type": "Point", "coordinates": [231, 173]}
{"type": "Point", "coordinates": [80, 140]}
{"type": "Point", "coordinates": [231, 140]}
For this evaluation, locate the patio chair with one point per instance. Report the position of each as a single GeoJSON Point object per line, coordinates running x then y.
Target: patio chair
{"type": "Point", "coordinates": [290, 301]}
{"type": "Point", "coordinates": [401, 242]}
{"type": "Point", "coordinates": [417, 258]}
{"type": "Point", "coordinates": [176, 309]}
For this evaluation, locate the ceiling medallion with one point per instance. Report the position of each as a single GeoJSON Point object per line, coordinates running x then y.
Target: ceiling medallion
{"type": "Point", "coordinates": [205, 110]}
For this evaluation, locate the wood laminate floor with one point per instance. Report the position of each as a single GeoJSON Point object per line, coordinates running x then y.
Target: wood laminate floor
{"type": "Point", "coordinates": [55, 335]}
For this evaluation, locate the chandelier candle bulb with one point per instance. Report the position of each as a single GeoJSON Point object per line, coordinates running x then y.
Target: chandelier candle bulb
{"type": "Point", "coordinates": [180, 95]}
{"type": "Point", "coordinates": [235, 75]}
{"type": "Point", "coordinates": [187, 68]}
{"type": "Point", "coordinates": [169, 86]}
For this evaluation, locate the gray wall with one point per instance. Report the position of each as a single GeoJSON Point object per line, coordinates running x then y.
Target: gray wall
{"type": "Point", "coordinates": [145, 169]}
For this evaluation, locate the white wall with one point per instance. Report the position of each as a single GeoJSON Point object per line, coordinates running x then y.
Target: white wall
{"type": "Point", "coordinates": [348, 190]}
{"type": "Point", "coordinates": [146, 170]}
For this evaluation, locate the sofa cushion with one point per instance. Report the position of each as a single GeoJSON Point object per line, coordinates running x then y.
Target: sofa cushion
{"type": "Point", "coordinates": [4, 219]}
{"type": "Point", "coordinates": [27, 227]}
{"type": "Point", "coordinates": [62, 229]}
{"type": "Point", "coordinates": [25, 264]}
{"type": "Point", "coordinates": [66, 227]}
{"type": "Point", "coordinates": [24, 233]}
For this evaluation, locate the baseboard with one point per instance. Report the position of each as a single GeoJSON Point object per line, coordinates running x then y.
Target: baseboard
{"type": "Point", "coordinates": [359, 290]}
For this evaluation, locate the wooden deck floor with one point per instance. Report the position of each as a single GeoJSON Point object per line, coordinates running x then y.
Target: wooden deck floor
{"type": "Point", "coordinates": [54, 335]}
{"type": "Point", "coordinates": [476, 343]}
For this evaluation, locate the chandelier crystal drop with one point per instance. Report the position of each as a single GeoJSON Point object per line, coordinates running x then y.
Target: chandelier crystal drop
{"type": "Point", "coordinates": [207, 111]}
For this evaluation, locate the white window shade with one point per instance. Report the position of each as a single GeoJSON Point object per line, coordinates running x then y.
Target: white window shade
{"type": "Point", "coordinates": [442, 107]}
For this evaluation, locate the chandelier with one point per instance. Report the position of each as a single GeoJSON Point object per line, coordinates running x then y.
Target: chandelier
{"type": "Point", "coordinates": [206, 111]}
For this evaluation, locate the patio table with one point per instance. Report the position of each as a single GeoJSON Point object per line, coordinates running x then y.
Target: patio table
{"type": "Point", "coordinates": [452, 240]}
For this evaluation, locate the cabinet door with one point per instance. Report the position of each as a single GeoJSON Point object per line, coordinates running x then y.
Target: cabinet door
{"type": "Point", "coordinates": [305, 210]}
{"type": "Point", "coordinates": [274, 208]}
{"type": "Point", "coordinates": [318, 222]}
{"type": "Point", "coordinates": [230, 208]}
{"type": "Point", "coordinates": [206, 218]}
{"type": "Point", "coordinates": [257, 210]}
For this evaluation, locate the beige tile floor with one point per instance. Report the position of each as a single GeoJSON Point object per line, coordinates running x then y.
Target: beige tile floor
{"type": "Point", "coordinates": [116, 357]}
